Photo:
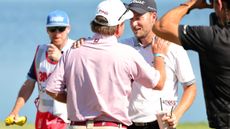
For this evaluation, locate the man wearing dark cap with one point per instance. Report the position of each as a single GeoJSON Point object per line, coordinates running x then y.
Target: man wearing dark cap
{"type": "Point", "coordinates": [145, 103]}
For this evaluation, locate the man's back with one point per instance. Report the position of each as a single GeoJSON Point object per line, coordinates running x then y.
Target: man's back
{"type": "Point", "coordinates": [101, 75]}
{"type": "Point", "coordinates": [213, 46]}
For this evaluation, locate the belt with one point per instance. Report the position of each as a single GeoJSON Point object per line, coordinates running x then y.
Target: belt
{"type": "Point", "coordinates": [99, 123]}
{"type": "Point", "coordinates": [154, 123]}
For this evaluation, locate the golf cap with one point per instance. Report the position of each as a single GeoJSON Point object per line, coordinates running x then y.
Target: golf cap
{"type": "Point", "coordinates": [57, 18]}
{"type": "Point", "coordinates": [143, 6]}
{"type": "Point", "coordinates": [114, 11]}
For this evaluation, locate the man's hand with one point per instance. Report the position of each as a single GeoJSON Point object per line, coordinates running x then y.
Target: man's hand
{"type": "Point", "coordinates": [200, 4]}
{"type": "Point", "coordinates": [78, 43]}
{"type": "Point", "coordinates": [171, 120]}
{"type": "Point", "coordinates": [11, 118]}
{"type": "Point", "coordinates": [160, 46]}
{"type": "Point", "coordinates": [54, 53]}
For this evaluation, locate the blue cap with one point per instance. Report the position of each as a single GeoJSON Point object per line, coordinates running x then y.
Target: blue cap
{"type": "Point", "coordinates": [57, 18]}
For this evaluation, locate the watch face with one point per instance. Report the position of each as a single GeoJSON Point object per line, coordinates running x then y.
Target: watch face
{"type": "Point", "coordinates": [209, 2]}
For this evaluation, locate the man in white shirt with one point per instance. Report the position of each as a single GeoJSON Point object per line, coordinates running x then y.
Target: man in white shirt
{"type": "Point", "coordinates": [145, 103]}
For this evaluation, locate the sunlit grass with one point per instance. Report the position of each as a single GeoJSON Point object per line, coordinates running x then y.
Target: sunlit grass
{"type": "Point", "coordinates": [201, 125]}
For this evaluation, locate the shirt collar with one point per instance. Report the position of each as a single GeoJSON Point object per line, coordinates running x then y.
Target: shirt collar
{"type": "Point", "coordinates": [104, 39]}
{"type": "Point", "coordinates": [137, 43]}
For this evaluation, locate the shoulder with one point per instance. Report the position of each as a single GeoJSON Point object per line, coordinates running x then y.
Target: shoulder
{"type": "Point", "coordinates": [176, 52]}
{"type": "Point", "coordinates": [195, 30]}
{"type": "Point", "coordinates": [196, 38]}
{"type": "Point", "coordinates": [128, 51]}
{"type": "Point", "coordinates": [70, 41]}
{"type": "Point", "coordinates": [175, 48]}
{"type": "Point", "coordinates": [41, 48]}
{"type": "Point", "coordinates": [221, 33]}
{"type": "Point", "coordinates": [129, 41]}
{"type": "Point", "coordinates": [125, 46]}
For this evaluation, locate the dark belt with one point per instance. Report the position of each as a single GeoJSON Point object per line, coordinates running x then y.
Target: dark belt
{"type": "Point", "coordinates": [153, 124]}
{"type": "Point", "coordinates": [99, 123]}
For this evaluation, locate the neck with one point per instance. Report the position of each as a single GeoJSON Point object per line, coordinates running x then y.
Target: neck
{"type": "Point", "coordinates": [147, 40]}
{"type": "Point", "coordinates": [61, 45]}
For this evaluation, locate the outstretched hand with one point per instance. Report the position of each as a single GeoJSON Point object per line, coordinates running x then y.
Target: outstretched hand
{"type": "Point", "coordinates": [201, 4]}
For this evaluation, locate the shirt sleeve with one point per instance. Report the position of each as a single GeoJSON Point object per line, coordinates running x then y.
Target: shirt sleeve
{"type": "Point", "coordinates": [144, 73]}
{"type": "Point", "coordinates": [184, 71]}
{"type": "Point", "coordinates": [196, 38]}
{"type": "Point", "coordinates": [56, 81]}
{"type": "Point", "coordinates": [31, 75]}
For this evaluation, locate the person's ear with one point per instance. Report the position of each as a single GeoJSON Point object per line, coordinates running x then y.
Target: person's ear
{"type": "Point", "coordinates": [220, 4]}
{"type": "Point", "coordinates": [154, 15]}
{"type": "Point", "coordinates": [68, 28]}
{"type": "Point", "coordinates": [119, 29]}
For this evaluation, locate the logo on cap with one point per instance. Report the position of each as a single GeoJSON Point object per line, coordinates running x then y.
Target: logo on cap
{"type": "Point", "coordinates": [143, 6]}
{"type": "Point", "coordinates": [138, 2]}
{"type": "Point", "coordinates": [102, 11]}
{"type": "Point", "coordinates": [57, 19]}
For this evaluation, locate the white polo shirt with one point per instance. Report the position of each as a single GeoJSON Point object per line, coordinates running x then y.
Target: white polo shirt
{"type": "Point", "coordinates": [144, 102]}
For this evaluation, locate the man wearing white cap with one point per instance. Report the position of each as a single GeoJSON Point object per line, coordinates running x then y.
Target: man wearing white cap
{"type": "Point", "coordinates": [51, 114]}
{"type": "Point", "coordinates": [95, 79]}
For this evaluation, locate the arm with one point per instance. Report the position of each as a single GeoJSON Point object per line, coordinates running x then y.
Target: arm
{"type": "Point", "coordinates": [160, 66]}
{"type": "Point", "coordinates": [160, 47]}
{"type": "Point", "coordinates": [55, 85]}
{"type": "Point", "coordinates": [184, 104]}
{"type": "Point", "coordinates": [23, 95]}
{"type": "Point", "coordinates": [186, 101]}
{"type": "Point", "coordinates": [58, 96]}
{"type": "Point", "coordinates": [167, 26]}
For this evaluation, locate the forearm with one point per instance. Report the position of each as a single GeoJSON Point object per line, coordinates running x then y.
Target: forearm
{"type": "Point", "coordinates": [167, 26]}
{"type": "Point", "coordinates": [23, 95]}
{"type": "Point", "coordinates": [18, 105]}
{"type": "Point", "coordinates": [186, 101]}
{"type": "Point", "coordinates": [61, 97]}
{"type": "Point", "coordinates": [159, 65]}
{"type": "Point", "coordinates": [179, 12]}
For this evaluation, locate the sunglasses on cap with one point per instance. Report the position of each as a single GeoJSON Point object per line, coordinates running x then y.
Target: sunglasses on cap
{"type": "Point", "coordinates": [55, 29]}
{"type": "Point", "coordinates": [123, 14]}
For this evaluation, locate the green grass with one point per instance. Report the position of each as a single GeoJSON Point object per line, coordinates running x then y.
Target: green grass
{"type": "Point", "coordinates": [180, 126]}
{"type": "Point", "coordinates": [201, 125]}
